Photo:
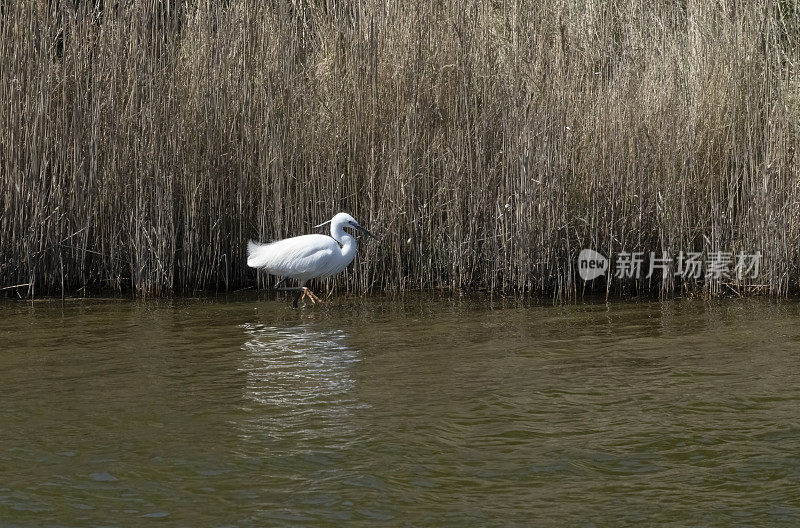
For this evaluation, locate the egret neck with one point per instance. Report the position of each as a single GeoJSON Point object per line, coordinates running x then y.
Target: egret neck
{"type": "Point", "coordinates": [345, 240]}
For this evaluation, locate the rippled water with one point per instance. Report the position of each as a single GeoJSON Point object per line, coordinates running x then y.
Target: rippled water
{"type": "Point", "coordinates": [418, 411]}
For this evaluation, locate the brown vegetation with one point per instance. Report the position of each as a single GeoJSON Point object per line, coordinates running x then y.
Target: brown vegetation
{"type": "Point", "coordinates": [142, 143]}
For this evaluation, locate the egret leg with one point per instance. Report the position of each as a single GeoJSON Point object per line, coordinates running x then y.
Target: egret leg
{"type": "Point", "coordinates": [308, 293]}
{"type": "Point", "coordinates": [298, 289]}
{"type": "Point", "coordinates": [296, 299]}
{"type": "Point", "coordinates": [302, 293]}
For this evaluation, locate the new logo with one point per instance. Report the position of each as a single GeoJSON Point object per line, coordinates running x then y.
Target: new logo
{"type": "Point", "coordinates": [591, 264]}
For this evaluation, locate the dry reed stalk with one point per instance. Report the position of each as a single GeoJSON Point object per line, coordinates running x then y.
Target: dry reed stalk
{"type": "Point", "coordinates": [142, 143]}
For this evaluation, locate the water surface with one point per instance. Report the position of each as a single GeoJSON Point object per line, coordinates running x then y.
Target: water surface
{"type": "Point", "coordinates": [420, 411]}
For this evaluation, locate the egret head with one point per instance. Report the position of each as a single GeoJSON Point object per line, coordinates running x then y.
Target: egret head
{"type": "Point", "coordinates": [342, 220]}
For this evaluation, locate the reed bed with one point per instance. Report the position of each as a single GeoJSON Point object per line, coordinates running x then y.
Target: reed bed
{"type": "Point", "coordinates": [143, 143]}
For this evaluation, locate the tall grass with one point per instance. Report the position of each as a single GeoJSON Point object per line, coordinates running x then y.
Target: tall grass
{"type": "Point", "coordinates": [142, 143]}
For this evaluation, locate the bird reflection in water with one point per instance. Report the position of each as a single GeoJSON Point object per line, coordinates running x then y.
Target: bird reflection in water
{"type": "Point", "coordinates": [299, 386]}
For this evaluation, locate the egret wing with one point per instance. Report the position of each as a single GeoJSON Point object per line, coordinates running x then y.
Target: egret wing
{"type": "Point", "coordinates": [292, 257]}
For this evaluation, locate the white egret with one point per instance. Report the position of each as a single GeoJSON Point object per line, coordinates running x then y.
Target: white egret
{"type": "Point", "coordinates": [308, 256]}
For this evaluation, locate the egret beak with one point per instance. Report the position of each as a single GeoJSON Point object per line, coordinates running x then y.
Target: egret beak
{"type": "Point", "coordinates": [365, 232]}
{"type": "Point", "coordinates": [323, 224]}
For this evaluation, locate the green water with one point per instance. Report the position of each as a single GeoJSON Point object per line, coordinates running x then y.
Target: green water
{"type": "Point", "coordinates": [399, 412]}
